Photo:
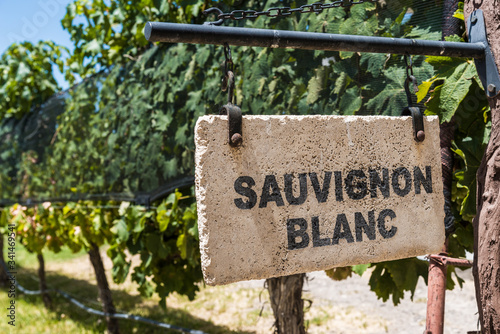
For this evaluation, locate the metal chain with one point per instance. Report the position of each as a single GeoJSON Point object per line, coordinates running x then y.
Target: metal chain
{"type": "Point", "coordinates": [409, 65]}
{"type": "Point", "coordinates": [316, 7]}
{"type": "Point", "coordinates": [410, 78]}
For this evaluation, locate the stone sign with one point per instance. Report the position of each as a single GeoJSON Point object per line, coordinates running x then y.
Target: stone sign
{"type": "Point", "coordinates": [306, 193]}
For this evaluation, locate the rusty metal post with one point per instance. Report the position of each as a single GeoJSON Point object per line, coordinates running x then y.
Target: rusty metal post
{"type": "Point", "coordinates": [436, 293]}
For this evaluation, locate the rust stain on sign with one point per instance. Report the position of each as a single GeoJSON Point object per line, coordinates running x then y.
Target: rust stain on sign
{"type": "Point", "coordinates": [306, 193]}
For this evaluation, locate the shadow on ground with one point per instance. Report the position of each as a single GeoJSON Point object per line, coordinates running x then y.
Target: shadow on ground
{"type": "Point", "coordinates": [87, 293]}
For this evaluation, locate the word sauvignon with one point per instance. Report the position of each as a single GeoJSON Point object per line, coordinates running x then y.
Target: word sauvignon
{"type": "Point", "coordinates": [355, 185]}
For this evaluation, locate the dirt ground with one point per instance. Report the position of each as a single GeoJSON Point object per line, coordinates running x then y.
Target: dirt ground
{"type": "Point", "coordinates": [357, 309]}
{"type": "Point", "coordinates": [408, 317]}
{"type": "Point", "coordinates": [337, 306]}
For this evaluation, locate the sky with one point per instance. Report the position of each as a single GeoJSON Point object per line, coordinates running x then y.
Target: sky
{"type": "Point", "coordinates": [34, 20]}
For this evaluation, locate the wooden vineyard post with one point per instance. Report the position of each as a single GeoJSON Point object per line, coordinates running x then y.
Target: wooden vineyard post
{"type": "Point", "coordinates": [487, 221]}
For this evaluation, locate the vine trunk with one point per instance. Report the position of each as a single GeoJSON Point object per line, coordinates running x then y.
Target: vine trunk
{"type": "Point", "coordinates": [287, 303]}
{"type": "Point", "coordinates": [47, 301]}
{"type": "Point", "coordinates": [4, 277]}
{"type": "Point", "coordinates": [104, 291]}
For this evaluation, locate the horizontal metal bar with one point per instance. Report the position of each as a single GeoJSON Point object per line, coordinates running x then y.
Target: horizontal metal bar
{"type": "Point", "coordinates": [210, 34]}
{"type": "Point", "coordinates": [445, 260]}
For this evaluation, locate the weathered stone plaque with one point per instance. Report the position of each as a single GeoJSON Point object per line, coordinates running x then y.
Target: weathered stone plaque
{"type": "Point", "coordinates": [306, 193]}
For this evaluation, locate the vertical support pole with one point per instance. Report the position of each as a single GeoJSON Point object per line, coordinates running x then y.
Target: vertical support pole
{"type": "Point", "coordinates": [436, 293]}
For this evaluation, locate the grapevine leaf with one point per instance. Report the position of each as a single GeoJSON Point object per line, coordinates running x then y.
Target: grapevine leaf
{"type": "Point", "coordinates": [423, 89]}
{"type": "Point", "coordinates": [454, 90]}
{"type": "Point", "coordinates": [120, 229]}
{"type": "Point", "coordinates": [339, 274]}
{"type": "Point", "coordinates": [182, 245]}
{"type": "Point", "coordinates": [316, 85]}
{"type": "Point", "coordinates": [360, 268]}
{"type": "Point", "coordinates": [374, 62]}
{"type": "Point", "coordinates": [350, 102]}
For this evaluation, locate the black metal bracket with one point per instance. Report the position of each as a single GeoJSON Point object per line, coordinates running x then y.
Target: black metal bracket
{"type": "Point", "coordinates": [234, 118]}
{"type": "Point", "coordinates": [212, 34]}
{"type": "Point", "coordinates": [486, 67]}
{"type": "Point", "coordinates": [418, 122]}
{"type": "Point", "coordinates": [477, 48]}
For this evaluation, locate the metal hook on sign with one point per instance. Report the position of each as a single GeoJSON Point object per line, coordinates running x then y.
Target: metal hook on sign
{"type": "Point", "coordinates": [213, 10]}
{"type": "Point", "coordinates": [417, 120]}
{"type": "Point", "coordinates": [415, 113]}
{"type": "Point", "coordinates": [232, 111]}
{"type": "Point", "coordinates": [234, 119]}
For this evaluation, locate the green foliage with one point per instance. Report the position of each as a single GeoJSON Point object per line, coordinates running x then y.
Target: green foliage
{"type": "Point", "coordinates": [459, 14]}
{"type": "Point", "coordinates": [127, 130]}
{"type": "Point", "coordinates": [393, 278]}
{"type": "Point", "coordinates": [339, 274]}
{"type": "Point", "coordinates": [26, 76]}
{"type": "Point", "coordinates": [457, 93]}
{"type": "Point", "coordinates": [166, 239]}
{"type": "Point", "coordinates": [109, 33]}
